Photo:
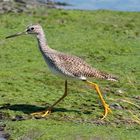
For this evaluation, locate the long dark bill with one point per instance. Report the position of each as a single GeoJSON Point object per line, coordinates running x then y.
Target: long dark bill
{"type": "Point", "coordinates": [17, 34]}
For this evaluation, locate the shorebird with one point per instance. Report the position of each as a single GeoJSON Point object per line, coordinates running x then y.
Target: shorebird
{"type": "Point", "coordinates": [67, 66]}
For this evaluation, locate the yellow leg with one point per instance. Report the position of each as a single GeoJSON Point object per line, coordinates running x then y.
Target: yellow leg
{"type": "Point", "coordinates": [106, 106]}
{"type": "Point", "coordinates": [45, 113]}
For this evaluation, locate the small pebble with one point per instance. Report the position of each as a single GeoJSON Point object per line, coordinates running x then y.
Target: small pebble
{"type": "Point", "coordinates": [120, 91]}
{"type": "Point", "coordinates": [116, 106]}
{"type": "Point", "coordinates": [18, 118]}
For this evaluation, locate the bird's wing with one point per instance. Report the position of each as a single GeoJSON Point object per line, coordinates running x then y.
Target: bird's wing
{"type": "Point", "coordinates": [76, 67]}
{"type": "Point", "coordinates": [73, 65]}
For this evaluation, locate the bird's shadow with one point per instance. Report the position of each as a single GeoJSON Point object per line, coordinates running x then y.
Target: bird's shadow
{"type": "Point", "coordinates": [28, 109]}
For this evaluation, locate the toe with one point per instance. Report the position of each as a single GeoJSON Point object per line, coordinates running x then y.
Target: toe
{"type": "Point", "coordinates": [106, 111]}
{"type": "Point", "coordinates": [37, 113]}
{"type": "Point", "coordinates": [46, 113]}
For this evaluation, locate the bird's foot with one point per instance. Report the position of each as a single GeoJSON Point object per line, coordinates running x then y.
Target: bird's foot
{"type": "Point", "coordinates": [41, 114]}
{"type": "Point", "coordinates": [106, 111]}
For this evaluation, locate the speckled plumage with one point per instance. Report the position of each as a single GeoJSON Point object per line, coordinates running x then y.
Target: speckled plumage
{"type": "Point", "coordinates": [74, 67]}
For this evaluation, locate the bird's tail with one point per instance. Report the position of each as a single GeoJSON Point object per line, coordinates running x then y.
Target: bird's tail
{"type": "Point", "coordinates": [103, 75]}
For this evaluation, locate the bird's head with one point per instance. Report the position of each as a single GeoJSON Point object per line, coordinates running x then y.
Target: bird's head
{"type": "Point", "coordinates": [32, 29]}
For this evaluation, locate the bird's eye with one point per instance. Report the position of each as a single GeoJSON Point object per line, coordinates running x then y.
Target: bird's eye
{"type": "Point", "coordinates": [32, 28]}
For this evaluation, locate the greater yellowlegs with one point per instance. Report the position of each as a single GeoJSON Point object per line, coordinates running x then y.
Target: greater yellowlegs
{"type": "Point", "coordinates": [67, 66]}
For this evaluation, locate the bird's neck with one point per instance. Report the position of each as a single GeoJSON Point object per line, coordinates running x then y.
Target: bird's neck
{"type": "Point", "coordinates": [42, 43]}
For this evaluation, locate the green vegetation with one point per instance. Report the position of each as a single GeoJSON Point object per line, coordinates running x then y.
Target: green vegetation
{"type": "Point", "coordinates": [109, 41]}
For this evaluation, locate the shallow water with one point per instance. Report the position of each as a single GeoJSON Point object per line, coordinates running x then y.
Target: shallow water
{"type": "Point", "coordinates": [119, 5]}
